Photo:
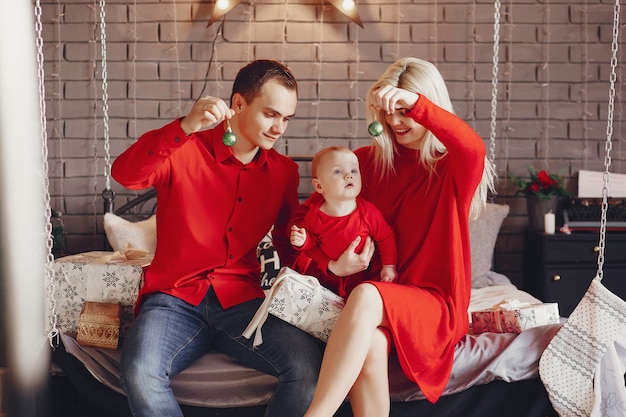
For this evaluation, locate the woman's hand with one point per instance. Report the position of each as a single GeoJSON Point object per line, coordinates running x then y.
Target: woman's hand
{"type": "Point", "coordinates": [351, 262]}
{"type": "Point", "coordinates": [206, 112]}
{"type": "Point", "coordinates": [389, 99]}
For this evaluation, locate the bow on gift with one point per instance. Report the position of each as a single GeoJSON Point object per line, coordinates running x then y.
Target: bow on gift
{"type": "Point", "coordinates": [507, 304]}
{"type": "Point", "coordinates": [510, 304]}
{"type": "Point", "coordinates": [128, 254]}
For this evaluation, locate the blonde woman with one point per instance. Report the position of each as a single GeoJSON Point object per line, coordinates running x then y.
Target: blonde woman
{"type": "Point", "coordinates": [427, 173]}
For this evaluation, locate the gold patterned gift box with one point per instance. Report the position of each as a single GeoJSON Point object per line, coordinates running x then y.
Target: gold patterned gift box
{"type": "Point", "coordinates": [512, 316]}
{"type": "Point", "coordinates": [99, 325]}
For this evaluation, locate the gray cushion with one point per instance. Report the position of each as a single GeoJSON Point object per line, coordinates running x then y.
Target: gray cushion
{"type": "Point", "coordinates": [483, 235]}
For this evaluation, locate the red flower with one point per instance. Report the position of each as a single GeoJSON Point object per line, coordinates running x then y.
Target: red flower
{"type": "Point", "coordinates": [545, 180]}
{"type": "Point", "coordinates": [541, 184]}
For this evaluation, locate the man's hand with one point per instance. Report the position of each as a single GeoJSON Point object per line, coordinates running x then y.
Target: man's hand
{"type": "Point", "coordinates": [206, 112]}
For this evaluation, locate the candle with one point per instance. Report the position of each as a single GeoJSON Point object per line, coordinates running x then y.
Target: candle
{"type": "Point", "coordinates": [549, 223]}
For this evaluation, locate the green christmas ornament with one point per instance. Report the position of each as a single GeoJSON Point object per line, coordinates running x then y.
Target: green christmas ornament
{"type": "Point", "coordinates": [375, 128]}
{"type": "Point", "coordinates": [229, 138]}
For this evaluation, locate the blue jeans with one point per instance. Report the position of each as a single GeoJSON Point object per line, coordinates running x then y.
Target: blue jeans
{"type": "Point", "coordinates": [170, 334]}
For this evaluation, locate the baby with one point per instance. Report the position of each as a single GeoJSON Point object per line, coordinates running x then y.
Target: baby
{"type": "Point", "coordinates": [335, 220]}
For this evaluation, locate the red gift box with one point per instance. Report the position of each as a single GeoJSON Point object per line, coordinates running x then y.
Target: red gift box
{"type": "Point", "coordinates": [511, 316]}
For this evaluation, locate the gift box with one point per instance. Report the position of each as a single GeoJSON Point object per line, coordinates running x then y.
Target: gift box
{"type": "Point", "coordinates": [98, 276]}
{"type": "Point", "coordinates": [312, 308]}
{"type": "Point", "coordinates": [301, 301]}
{"type": "Point", "coordinates": [99, 325]}
{"type": "Point", "coordinates": [512, 316]}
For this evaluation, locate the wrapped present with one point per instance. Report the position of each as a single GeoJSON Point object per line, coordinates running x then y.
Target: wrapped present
{"type": "Point", "coordinates": [299, 300]}
{"type": "Point", "coordinates": [99, 325]}
{"type": "Point", "coordinates": [513, 316]}
{"type": "Point", "coordinates": [94, 276]}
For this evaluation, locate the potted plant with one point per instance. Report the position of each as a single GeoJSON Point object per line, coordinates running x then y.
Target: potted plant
{"type": "Point", "coordinates": [542, 192]}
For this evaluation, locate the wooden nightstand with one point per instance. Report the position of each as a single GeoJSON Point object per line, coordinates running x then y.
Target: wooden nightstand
{"type": "Point", "coordinates": [559, 268]}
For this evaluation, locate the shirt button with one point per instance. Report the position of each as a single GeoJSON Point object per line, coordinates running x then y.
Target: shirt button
{"type": "Point", "coordinates": [176, 139]}
{"type": "Point", "coordinates": [239, 199]}
{"type": "Point", "coordinates": [150, 152]}
{"type": "Point", "coordinates": [230, 229]}
{"type": "Point", "coordinates": [230, 256]}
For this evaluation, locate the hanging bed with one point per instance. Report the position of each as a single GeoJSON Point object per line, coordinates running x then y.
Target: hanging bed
{"type": "Point", "coordinates": [493, 373]}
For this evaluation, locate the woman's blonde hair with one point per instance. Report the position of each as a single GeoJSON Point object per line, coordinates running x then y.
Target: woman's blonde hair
{"type": "Point", "coordinates": [421, 77]}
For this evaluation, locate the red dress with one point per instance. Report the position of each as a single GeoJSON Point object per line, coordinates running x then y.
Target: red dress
{"type": "Point", "coordinates": [427, 306]}
{"type": "Point", "coordinates": [328, 237]}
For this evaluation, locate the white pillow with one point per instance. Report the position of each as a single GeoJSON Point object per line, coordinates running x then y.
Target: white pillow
{"type": "Point", "coordinates": [123, 234]}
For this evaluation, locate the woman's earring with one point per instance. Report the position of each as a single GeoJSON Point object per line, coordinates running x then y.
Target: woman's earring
{"type": "Point", "coordinates": [375, 128]}
{"type": "Point", "coordinates": [229, 138]}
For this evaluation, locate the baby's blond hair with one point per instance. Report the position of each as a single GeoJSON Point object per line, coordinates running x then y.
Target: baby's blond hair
{"type": "Point", "coordinates": [319, 156]}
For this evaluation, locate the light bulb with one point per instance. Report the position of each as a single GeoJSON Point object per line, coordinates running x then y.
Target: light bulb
{"type": "Point", "coordinates": [347, 5]}
{"type": "Point", "coordinates": [223, 4]}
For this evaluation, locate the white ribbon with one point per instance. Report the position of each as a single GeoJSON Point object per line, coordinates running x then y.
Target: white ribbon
{"type": "Point", "coordinates": [510, 304]}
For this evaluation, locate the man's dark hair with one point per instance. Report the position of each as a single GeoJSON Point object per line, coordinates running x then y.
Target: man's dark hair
{"type": "Point", "coordinates": [254, 75]}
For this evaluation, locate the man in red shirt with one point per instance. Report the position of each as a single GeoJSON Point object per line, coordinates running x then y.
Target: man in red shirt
{"type": "Point", "coordinates": [215, 204]}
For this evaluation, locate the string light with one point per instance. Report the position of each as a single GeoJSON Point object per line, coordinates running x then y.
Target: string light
{"type": "Point", "coordinates": [222, 7]}
{"type": "Point", "coordinates": [347, 7]}
{"type": "Point", "coordinates": [546, 86]}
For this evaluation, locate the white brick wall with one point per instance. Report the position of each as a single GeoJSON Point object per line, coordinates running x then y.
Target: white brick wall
{"type": "Point", "coordinates": [553, 81]}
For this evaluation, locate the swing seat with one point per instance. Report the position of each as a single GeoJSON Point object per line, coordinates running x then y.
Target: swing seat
{"type": "Point", "coordinates": [490, 370]}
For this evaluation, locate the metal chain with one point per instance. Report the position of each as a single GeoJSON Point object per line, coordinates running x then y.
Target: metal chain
{"type": "Point", "coordinates": [494, 83]}
{"type": "Point", "coordinates": [105, 98]}
{"type": "Point", "coordinates": [48, 267]}
{"type": "Point", "coordinates": [609, 135]}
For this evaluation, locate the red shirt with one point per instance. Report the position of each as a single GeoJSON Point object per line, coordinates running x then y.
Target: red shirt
{"type": "Point", "coordinates": [212, 212]}
{"type": "Point", "coordinates": [329, 236]}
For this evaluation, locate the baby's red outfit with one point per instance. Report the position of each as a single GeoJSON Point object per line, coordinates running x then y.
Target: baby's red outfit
{"type": "Point", "coordinates": [329, 236]}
